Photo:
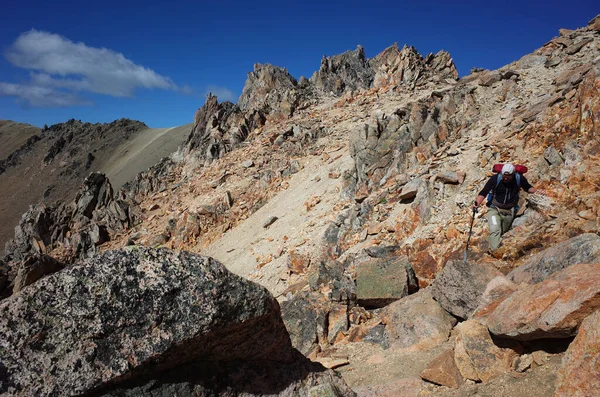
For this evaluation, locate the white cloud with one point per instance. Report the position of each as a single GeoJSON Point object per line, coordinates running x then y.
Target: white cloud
{"type": "Point", "coordinates": [41, 96]}
{"type": "Point", "coordinates": [222, 93]}
{"type": "Point", "coordinates": [60, 65]}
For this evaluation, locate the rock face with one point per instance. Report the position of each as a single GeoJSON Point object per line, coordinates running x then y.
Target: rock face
{"type": "Point", "coordinates": [344, 72]}
{"type": "Point", "coordinates": [271, 90]}
{"type": "Point", "coordinates": [220, 127]}
{"type": "Point", "coordinates": [584, 248]}
{"type": "Point", "coordinates": [579, 375]}
{"type": "Point", "coordinates": [553, 308]}
{"type": "Point", "coordinates": [131, 313]}
{"type": "Point", "coordinates": [460, 285]}
{"type": "Point", "coordinates": [408, 68]}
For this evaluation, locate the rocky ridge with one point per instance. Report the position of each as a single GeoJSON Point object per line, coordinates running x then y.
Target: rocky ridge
{"type": "Point", "coordinates": [315, 203]}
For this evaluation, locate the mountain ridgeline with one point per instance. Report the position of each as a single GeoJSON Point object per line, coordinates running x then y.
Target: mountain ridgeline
{"type": "Point", "coordinates": [309, 240]}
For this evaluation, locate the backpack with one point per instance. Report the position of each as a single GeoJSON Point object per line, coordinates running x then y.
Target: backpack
{"type": "Point", "coordinates": [497, 168]}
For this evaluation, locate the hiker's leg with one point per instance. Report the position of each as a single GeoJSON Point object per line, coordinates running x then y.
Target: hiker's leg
{"type": "Point", "coordinates": [507, 220]}
{"type": "Point", "coordinates": [495, 224]}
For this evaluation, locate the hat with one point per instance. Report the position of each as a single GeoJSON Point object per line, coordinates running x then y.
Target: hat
{"type": "Point", "coordinates": [508, 169]}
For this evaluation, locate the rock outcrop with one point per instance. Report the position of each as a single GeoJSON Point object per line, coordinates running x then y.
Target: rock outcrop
{"type": "Point", "coordinates": [272, 90]}
{"type": "Point", "coordinates": [133, 314]}
{"type": "Point", "coordinates": [66, 232]}
{"type": "Point", "coordinates": [349, 71]}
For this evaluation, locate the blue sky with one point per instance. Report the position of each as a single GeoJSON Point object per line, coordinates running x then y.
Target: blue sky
{"type": "Point", "coordinates": [155, 61]}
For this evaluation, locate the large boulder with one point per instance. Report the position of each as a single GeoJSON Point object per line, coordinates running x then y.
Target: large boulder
{"type": "Point", "coordinates": [477, 356]}
{"type": "Point", "coordinates": [460, 285]}
{"type": "Point", "coordinates": [131, 314]}
{"type": "Point", "coordinates": [584, 248]}
{"type": "Point", "coordinates": [417, 322]}
{"type": "Point", "coordinates": [579, 375]}
{"type": "Point", "coordinates": [381, 281]}
{"type": "Point", "coordinates": [553, 308]}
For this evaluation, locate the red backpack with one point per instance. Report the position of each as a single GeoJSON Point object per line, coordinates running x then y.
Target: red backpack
{"type": "Point", "coordinates": [519, 169]}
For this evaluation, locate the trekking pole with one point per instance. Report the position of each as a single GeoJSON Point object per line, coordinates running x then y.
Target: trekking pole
{"type": "Point", "coordinates": [470, 231]}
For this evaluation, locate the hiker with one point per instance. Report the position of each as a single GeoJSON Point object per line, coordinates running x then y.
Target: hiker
{"type": "Point", "coordinates": [503, 196]}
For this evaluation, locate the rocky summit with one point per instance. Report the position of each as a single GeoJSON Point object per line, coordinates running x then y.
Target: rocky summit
{"type": "Point", "coordinates": [340, 208]}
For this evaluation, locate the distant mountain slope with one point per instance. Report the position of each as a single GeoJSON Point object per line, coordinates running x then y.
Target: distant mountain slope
{"type": "Point", "coordinates": [53, 166]}
{"type": "Point", "coordinates": [14, 135]}
{"type": "Point", "coordinates": [142, 152]}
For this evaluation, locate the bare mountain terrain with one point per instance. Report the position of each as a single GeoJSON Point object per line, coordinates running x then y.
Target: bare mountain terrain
{"type": "Point", "coordinates": [50, 164]}
{"type": "Point", "coordinates": [346, 196]}
{"type": "Point", "coordinates": [14, 135]}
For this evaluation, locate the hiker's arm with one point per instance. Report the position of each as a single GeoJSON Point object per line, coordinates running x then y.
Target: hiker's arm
{"type": "Point", "coordinates": [479, 200]}
{"type": "Point", "coordinates": [486, 189]}
{"type": "Point", "coordinates": [525, 185]}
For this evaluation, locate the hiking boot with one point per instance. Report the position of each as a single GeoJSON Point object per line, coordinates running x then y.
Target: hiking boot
{"type": "Point", "coordinates": [496, 254]}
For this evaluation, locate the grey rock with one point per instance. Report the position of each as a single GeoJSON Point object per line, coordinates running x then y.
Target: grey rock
{"type": "Point", "coordinates": [247, 163]}
{"type": "Point", "coordinates": [553, 157]}
{"type": "Point", "coordinates": [417, 321]}
{"type": "Point", "coordinates": [584, 248]}
{"type": "Point", "coordinates": [130, 313]}
{"type": "Point", "coordinates": [381, 281]}
{"type": "Point", "coordinates": [270, 221]}
{"type": "Point", "coordinates": [305, 317]}
{"type": "Point", "coordinates": [459, 287]}
{"type": "Point", "coordinates": [410, 189]}
{"type": "Point", "coordinates": [488, 79]}
{"type": "Point", "coordinates": [447, 177]}
{"type": "Point", "coordinates": [529, 61]}
{"type": "Point", "coordinates": [576, 47]}
{"type": "Point", "coordinates": [344, 72]}
{"type": "Point", "coordinates": [219, 128]}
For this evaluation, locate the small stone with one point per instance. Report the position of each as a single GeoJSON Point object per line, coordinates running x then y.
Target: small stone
{"type": "Point", "coordinates": [334, 174]}
{"type": "Point", "coordinates": [270, 221]}
{"type": "Point", "coordinates": [523, 363]}
{"type": "Point", "coordinates": [247, 163]}
{"type": "Point", "coordinates": [540, 357]}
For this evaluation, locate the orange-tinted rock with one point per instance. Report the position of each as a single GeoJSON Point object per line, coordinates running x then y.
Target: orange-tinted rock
{"type": "Point", "coordinates": [553, 308]}
{"type": "Point", "coordinates": [297, 263]}
{"type": "Point", "coordinates": [337, 321]}
{"type": "Point", "coordinates": [497, 290]}
{"type": "Point", "coordinates": [443, 371]}
{"type": "Point", "coordinates": [579, 375]}
{"type": "Point", "coordinates": [476, 355]}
